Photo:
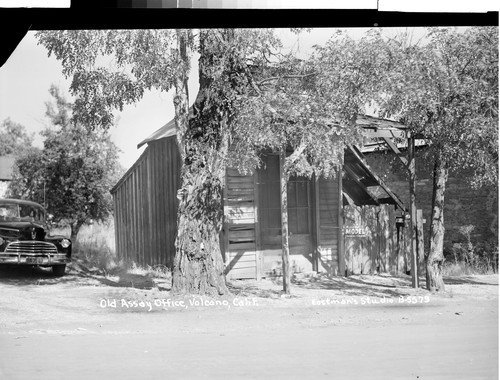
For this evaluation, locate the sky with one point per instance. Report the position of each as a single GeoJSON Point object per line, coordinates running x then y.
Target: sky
{"type": "Point", "coordinates": [27, 75]}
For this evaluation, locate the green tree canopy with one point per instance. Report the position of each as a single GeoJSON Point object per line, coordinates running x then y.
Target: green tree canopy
{"type": "Point", "coordinates": [72, 174]}
{"type": "Point", "coordinates": [252, 97]}
{"type": "Point", "coordinates": [13, 138]}
{"type": "Point", "coordinates": [445, 89]}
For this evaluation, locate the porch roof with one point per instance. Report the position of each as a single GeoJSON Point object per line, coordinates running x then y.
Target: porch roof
{"type": "Point", "coordinates": [362, 185]}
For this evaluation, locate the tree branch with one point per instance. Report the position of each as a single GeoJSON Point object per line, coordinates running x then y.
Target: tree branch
{"type": "Point", "coordinates": [290, 160]}
{"type": "Point", "coordinates": [285, 77]}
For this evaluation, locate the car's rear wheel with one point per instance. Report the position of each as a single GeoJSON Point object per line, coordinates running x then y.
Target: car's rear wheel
{"type": "Point", "coordinates": [58, 270]}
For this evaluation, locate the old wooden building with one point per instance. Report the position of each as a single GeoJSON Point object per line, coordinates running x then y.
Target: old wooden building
{"type": "Point", "coordinates": [145, 201]}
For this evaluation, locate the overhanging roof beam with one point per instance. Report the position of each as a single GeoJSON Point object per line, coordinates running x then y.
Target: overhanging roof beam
{"type": "Point", "coordinates": [395, 149]}
{"type": "Point", "coordinates": [359, 156]}
{"type": "Point", "coordinates": [353, 176]}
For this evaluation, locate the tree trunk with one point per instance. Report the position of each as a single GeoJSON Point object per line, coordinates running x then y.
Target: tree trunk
{"type": "Point", "coordinates": [181, 98]}
{"type": "Point", "coordinates": [198, 264]}
{"type": "Point", "coordinates": [435, 259]}
{"type": "Point", "coordinates": [284, 223]}
{"type": "Point", "coordinates": [75, 228]}
{"type": "Point", "coordinates": [203, 141]}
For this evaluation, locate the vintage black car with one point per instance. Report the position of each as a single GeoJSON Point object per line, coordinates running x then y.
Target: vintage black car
{"type": "Point", "coordinates": [24, 238]}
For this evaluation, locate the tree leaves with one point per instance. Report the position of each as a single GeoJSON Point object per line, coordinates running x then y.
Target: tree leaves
{"type": "Point", "coordinates": [110, 69]}
{"type": "Point", "coordinates": [73, 173]}
{"type": "Point", "coordinates": [446, 90]}
{"type": "Point", "coordinates": [13, 138]}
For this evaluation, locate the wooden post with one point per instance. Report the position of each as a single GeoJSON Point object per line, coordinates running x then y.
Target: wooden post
{"type": "Point", "coordinates": [284, 223]}
{"type": "Point", "coordinates": [413, 212]}
{"type": "Point", "coordinates": [340, 236]}
{"type": "Point", "coordinates": [317, 237]}
{"type": "Point", "coordinates": [258, 249]}
{"type": "Point", "coordinates": [398, 247]}
{"type": "Point", "coordinates": [420, 241]}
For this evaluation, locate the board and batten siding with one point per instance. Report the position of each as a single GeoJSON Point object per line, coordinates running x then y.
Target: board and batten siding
{"type": "Point", "coordinates": [145, 202]}
{"type": "Point", "coordinates": [241, 226]}
{"type": "Point", "coordinates": [329, 237]}
{"type": "Point", "coordinates": [371, 240]}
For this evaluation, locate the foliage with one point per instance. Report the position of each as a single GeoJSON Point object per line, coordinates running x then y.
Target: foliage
{"type": "Point", "coordinates": [141, 59]}
{"type": "Point", "coordinates": [147, 59]}
{"type": "Point", "coordinates": [73, 172]}
{"type": "Point", "coordinates": [471, 257]}
{"type": "Point", "coordinates": [447, 90]}
{"type": "Point", "coordinates": [236, 95]}
{"type": "Point", "coordinates": [254, 98]}
{"type": "Point", "coordinates": [14, 138]}
{"type": "Point", "coordinates": [309, 107]}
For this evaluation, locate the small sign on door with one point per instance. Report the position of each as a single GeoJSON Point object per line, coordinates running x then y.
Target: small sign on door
{"type": "Point", "coordinates": [356, 231]}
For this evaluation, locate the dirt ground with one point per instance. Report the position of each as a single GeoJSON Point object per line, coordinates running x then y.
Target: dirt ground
{"type": "Point", "coordinates": [88, 326]}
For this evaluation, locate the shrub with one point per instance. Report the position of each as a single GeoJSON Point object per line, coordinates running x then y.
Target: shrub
{"type": "Point", "coordinates": [468, 257]}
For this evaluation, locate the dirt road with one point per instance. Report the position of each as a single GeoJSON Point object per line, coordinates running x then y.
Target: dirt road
{"type": "Point", "coordinates": [364, 327]}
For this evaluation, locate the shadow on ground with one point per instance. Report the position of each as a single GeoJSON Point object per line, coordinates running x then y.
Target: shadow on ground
{"type": "Point", "coordinates": [371, 286]}
{"type": "Point", "coordinates": [466, 280]}
{"type": "Point", "coordinates": [26, 275]}
{"type": "Point", "coordinates": [79, 273]}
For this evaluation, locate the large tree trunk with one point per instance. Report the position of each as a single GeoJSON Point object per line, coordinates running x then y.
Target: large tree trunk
{"type": "Point", "coordinates": [198, 264]}
{"type": "Point", "coordinates": [435, 259]}
{"type": "Point", "coordinates": [203, 141]}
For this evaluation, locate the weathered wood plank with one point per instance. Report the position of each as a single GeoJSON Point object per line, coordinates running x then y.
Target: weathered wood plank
{"type": "Point", "coordinates": [244, 260]}
{"type": "Point", "coordinates": [248, 226]}
{"type": "Point", "coordinates": [236, 200]}
{"type": "Point", "coordinates": [238, 181]}
{"type": "Point", "coordinates": [233, 235]}
{"type": "Point", "coordinates": [237, 221]}
{"type": "Point", "coordinates": [234, 246]}
{"type": "Point", "coordinates": [239, 190]}
{"type": "Point", "coordinates": [233, 172]}
{"type": "Point", "coordinates": [243, 209]}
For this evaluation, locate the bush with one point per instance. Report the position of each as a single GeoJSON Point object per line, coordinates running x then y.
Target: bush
{"type": "Point", "coordinates": [95, 247]}
{"type": "Point", "coordinates": [467, 257]}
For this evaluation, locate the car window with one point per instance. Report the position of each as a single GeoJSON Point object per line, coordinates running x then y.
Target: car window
{"type": "Point", "coordinates": [9, 211]}
{"type": "Point", "coordinates": [15, 212]}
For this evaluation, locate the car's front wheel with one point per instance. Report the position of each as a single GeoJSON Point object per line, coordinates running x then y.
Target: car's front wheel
{"type": "Point", "coordinates": [58, 270]}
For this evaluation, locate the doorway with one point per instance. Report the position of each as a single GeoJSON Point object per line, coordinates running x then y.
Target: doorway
{"type": "Point", "coordinates": [300, 218]}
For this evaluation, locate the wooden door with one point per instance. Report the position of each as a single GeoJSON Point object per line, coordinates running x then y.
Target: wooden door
{"type": "Point", "coordinates": [299, 219]}
{"type": "Point", "coordinates": [241, 256]}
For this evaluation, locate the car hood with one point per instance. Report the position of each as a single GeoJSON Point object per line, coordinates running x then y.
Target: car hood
{"type": "Point", "coordinates": [23, 230]}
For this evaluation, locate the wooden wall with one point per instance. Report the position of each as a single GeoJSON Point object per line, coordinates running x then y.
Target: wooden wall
{"type": "Point", "coordinates": [145, 202]}
{"type": "Point", "coordinates": [371, 240]}
{"type": "Point", "coordinates": [253, 236]}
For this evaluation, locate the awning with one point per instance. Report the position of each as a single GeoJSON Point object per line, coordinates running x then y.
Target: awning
{"type": "Point", "coordinates": [362, 185]}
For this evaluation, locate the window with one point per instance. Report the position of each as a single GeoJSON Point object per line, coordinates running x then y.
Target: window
{"type": "Point", "coordinates": [299, 204]}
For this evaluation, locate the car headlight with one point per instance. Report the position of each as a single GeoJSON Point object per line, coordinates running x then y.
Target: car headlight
{"type": "Point", "coordinates": [65, 243]}
{"type": "Point", "coordinates": [2, 241]}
